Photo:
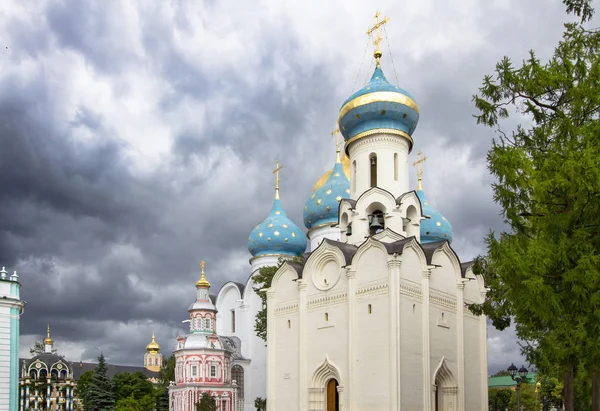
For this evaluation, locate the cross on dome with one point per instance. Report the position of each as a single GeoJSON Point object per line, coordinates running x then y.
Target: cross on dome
{"type": "Point", "coordinates": [419, 166]}
{"type": "Point", "coordinates": [338, 143]}
{"type": "Point", "coordinates": [377, 54]}
{"type": "Point", "coordinates": [202, 282]}
{"type": "Point", "coordinates": [278, 166]}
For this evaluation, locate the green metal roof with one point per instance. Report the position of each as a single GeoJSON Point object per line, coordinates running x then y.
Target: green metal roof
{"type": "Point", "coordinates": [506, 381]}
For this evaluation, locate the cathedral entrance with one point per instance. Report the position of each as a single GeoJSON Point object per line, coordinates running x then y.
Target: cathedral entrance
{"type": "Point", "coordinates": [333, 399]}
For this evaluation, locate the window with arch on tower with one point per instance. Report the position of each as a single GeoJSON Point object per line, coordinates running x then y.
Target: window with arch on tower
{"type": "Point", "coordinates": [373, 165]}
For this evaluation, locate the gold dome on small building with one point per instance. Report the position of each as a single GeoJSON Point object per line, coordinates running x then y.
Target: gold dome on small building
{"type": "Point", "coordinates": [325, 176]}
{"type": "Point", "coordinates": [153, 345]}
{"type": "Point", "coordinates": [202, 282]}
{"type": "Point", "coordinates": [48, 340]}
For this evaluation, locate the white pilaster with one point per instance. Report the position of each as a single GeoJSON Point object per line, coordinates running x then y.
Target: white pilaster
{"type": "Point", "coordinates": [394, 333]}
{"type": "Point", "coordinates": [483, 358]}
{"type": "Point", "coordinates": [460, 343]}
{"type": "Point", "coordinates": [303, 379]}
{"type": "Point", "coordinates": [351, 303]}
{"type": "Point", "coordinates": [427, 394]}
{"type": "Point", "coordinates": [271, 353]}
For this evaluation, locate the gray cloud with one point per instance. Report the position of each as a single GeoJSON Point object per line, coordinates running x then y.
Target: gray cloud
{"type": "Point", "coordinates": [137, 140]}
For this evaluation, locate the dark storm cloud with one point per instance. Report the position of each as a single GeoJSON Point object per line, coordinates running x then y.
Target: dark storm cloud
{"type": "Point", "coordinates": [107, 252]}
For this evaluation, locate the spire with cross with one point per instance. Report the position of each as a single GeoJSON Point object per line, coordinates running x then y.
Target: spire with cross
{"type": "Point", "coordinates": [338, 143]}
{"type": "Point", "coordinates": [278, 166]}
{"type": "Point", "coordinates": [377, 54]}
{"type": "Point", "coordinates": [419, 166]}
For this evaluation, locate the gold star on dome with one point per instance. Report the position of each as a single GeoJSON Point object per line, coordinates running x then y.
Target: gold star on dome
{"type": "Point", "coordinates": [328, 192]}
{"type": "Point", "coordinates": [338, 198]}
{"type": "Point", "coordinates": [319, 202]}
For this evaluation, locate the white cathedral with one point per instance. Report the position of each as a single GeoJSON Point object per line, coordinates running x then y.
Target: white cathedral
{"type": "Point", "coordinates": [374, 316]}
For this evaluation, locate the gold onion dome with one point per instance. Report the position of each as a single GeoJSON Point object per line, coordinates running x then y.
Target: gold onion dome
{"type": "Point", "coordinates": [153, 345]}
{"type": "Point", "coordinates": [48, 340]}
{"type": "Point", "coordinates": [202, 282]}
{"type": "Point", "coordinates": [325, 176]}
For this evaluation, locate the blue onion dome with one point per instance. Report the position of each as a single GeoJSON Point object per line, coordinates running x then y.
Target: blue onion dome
{"type": "Point", "coordinates": [379, 107]}
{"type": "Point", "coordinates": [277, 234]}
{"type": "Point", "coordinates": [322, 207]}
{"type": "Point", "coordinates": [436, 227]}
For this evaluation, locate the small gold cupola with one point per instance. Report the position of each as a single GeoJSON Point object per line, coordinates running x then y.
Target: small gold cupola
{"type": "Point", "coordinates": [202, 282]}
{"type": "Point", "coordinates": [153, 346]}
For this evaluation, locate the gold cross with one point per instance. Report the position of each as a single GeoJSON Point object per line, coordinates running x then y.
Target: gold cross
{"type": "Point", "coordinates": [202, 267]}
{"type": "Point", "coordinates": [338, 144]}
{"type": "Point", "coordinates": [278, 167]}
{"type": "Point", "coordinates": [377, 54]}
{"type": "Point", "coordinates": [419, 169]}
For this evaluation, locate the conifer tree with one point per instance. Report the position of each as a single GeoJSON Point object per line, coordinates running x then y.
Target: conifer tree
{"type": "Point", "coordinates": [99, 396]}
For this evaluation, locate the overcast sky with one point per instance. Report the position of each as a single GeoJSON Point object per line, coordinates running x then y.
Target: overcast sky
{"type": "Point", "coordinates": [138, 137]}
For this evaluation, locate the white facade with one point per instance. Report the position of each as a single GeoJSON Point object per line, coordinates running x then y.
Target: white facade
{"type": "Point", "coordinates": [386, 321]}
{"type": "Point", "coordinates": [11, 307]}
{"type": "Point", "coordinates": [237, 306]}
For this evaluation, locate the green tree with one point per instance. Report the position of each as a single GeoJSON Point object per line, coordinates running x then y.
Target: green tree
{"type": "Point", "coordinates": [206, 403]}
{"type": "Point", "coordinates": [136, 385]}
{"type": "Point", "coordinates": [82, 387]}
{"type": "Point", "coordinates": [499, 399]}
{"type": "Point", "coordinates": [260, 404]}
{"type": "Point", "coordinates": [544, 273]}
{"type": "Point", "coordinates": [162, 399]}
{"type": "Point", "coordinates": [262, 281]}
{"type": "Point", "coordinates": [99, 394]}
{"type": "Point", "coordinates": [167, 371]}
{"type": "Point", "coordinates": [128, 404]}
{"type": "Point", "coordinates": [38, 348]}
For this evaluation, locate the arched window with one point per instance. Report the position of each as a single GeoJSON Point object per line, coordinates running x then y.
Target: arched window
{"type": "Point", "coordinates": [54, 374]}
{"type": "Point", "coordinates": [373, 163]}
{"type": "Point", "coordinates": [63, 375]}
{"type": "Point", "coordinates": [395, 166]}
{"type": "Point", "coordinates": [237, 374]}
{"type": "Point", "coordinates": [33, 374]}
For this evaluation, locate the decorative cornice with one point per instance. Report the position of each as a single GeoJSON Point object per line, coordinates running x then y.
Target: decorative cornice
{"type": "Point", "coordinates": [375, 289]}
{"type": "Point", "coordinates": [442, 300]}
{"type": "Point", "coordinates": [426, 274]}
{"type": "Point", "coordinates": [328, 300]}
{"type": "Point", "coordinates": [350, 273]}
{"type": "Point", "coordinates": [287, 309]}
{"type": "Point", "coordinates": [410, 289]}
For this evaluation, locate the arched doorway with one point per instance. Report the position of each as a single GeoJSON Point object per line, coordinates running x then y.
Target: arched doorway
{"type": "Point", "coordinates": [445, 391]}
{"type": "Point", "coordinates": [333, 398]}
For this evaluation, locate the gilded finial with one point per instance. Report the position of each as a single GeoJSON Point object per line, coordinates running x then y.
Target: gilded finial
{"type": "Point", "coordinates": [338, 143]}
{"type": "Point", "coordinates": [153, 345]}
{"type": "Point", "coordinates": [202, 282]}
{"type": "Point", "coordinates": [278, 167]}
{"type": "Point", "coordinates": [48, 340]}
{"type": "Point", "coordinates": [419, 169]}
{"type": "Point", "coordinates": [377, 54]}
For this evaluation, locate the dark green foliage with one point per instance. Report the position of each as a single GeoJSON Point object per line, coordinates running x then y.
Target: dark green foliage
{"type": "Point", "coordinates": [499, 398]}
{"type": "Point", "coordinates": [99, 394]}
{"type": "Point", "coordinates": [162, 399]}
{"type": "Point", "coordinates": [262, 281]}
{"type": "Point", "coordinates": [207, 403]}
{"type": "Point", "coordinates": [545, 272]}
{"type": "Point", "coordinates": [38, 348]}
{"type": "Point", "coordinates": [260, 404]}
{"type": "Point", "coordinates": [82, 386]}
{"type": "Point", "coordinates": [136, 386]}
{"type": "Point", "coordinates": [167, 371]}
{"type": "Point", "coordinates": [581, 8]}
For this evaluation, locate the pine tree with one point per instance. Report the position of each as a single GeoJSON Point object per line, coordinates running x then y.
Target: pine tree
{"type": "Point", "coordinates": [99, 395]}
